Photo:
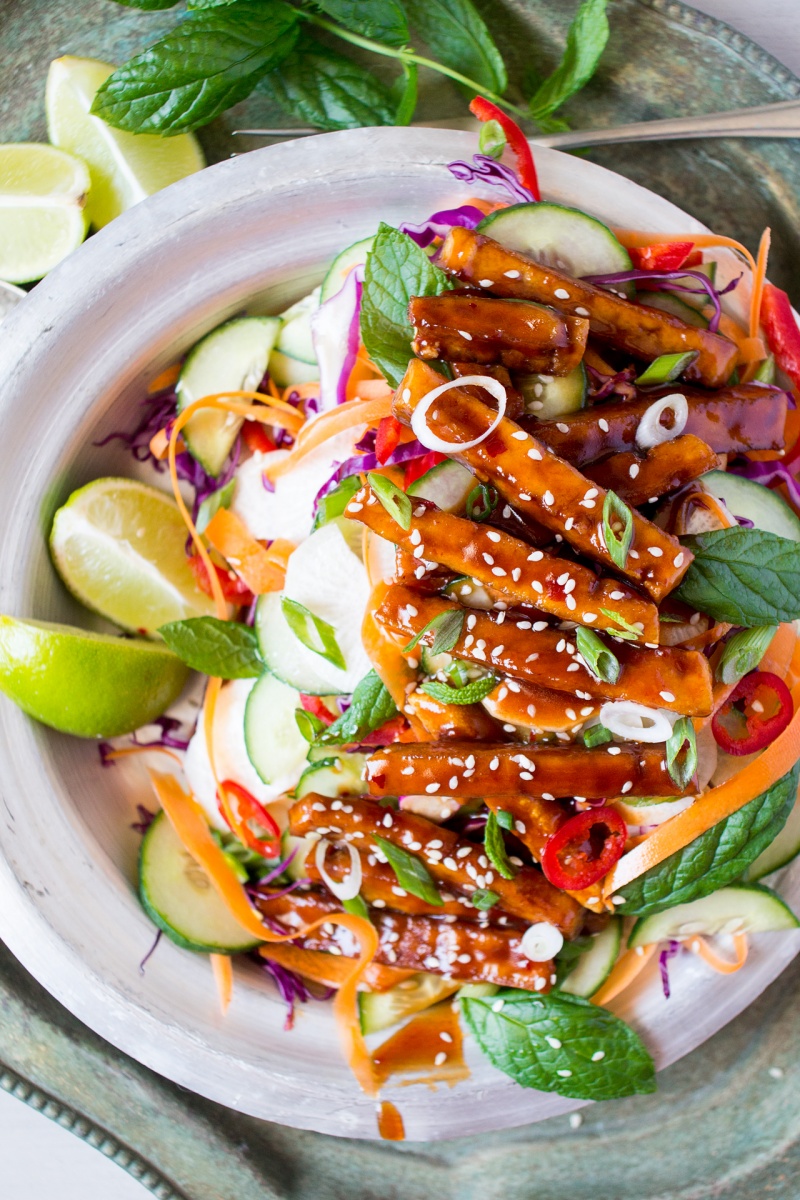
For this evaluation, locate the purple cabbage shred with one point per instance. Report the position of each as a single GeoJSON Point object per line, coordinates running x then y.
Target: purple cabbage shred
{"type": "Point", "coordinates": [486, 170]}
{"type": "Point", "coordinates": [440, 223]}
{"type": "Point", "coordinates": [157, 412]}
{"type": "Point", "coordinates": [768, 473]}
{"type": "Point", "coordinates": [667, 281]}
{"type": "Point", "coordinates": [368, 462]}
{"type": "Point", "coordinates": [168, 736]}
{"type": "Point", "coordinates": [291, 987]}
{"type": "Point", "coordinates": [146, 818]}
{"type": "Point", "coordinates": [602, 386]}
{"type": "Point", "coordinates": [663, 959]}
{"type": "Point", "coordinates": [150, 952]}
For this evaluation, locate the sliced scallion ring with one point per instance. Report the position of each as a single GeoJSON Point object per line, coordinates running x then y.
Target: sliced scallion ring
{"type": "Point", "coordinates": [651, 432]}
{"type": "Point", "coordinates": [431, 440]}
{"type": "Point", "coordinates": [635, 722]}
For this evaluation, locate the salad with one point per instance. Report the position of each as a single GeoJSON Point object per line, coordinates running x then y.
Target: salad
{"type": "Point", "coordinates": [487, 553]}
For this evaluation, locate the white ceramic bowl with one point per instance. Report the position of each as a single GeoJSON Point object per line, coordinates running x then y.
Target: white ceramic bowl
{"type": "Point", "coordinates": [75, 359]}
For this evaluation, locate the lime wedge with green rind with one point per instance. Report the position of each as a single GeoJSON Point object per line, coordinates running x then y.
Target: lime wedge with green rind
{"type": "Point", "coordinates": [124, 167]}
{"type": "Point", "coordinates": [88, 684]}
{"type": "Point", "coordinates": [119, 545]}
{"type": "Point", "coordinates": [43, 195]}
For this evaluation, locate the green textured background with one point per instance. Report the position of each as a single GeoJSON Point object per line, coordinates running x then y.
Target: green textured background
{"type": "Point", "coordinates": [721, 1125]}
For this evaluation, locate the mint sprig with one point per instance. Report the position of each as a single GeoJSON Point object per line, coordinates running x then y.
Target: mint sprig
{"type": "Point", "coordinates": [411, 872]}
{"type": "Point", "coordinates": [223, 649]}
{"type": "Point", "coordinates": [742, 576]}
{"type": "Point", "coordinates": [370, 707]}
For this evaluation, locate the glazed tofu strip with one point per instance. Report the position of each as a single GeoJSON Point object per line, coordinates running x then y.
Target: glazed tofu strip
{"type": "Point", "coordinates": [535, 820]}
{"type": "Point", "coordinates": [516, 334]}
{"type": "Point", "coordinates": [555, 585]}
{"type": "Point", "coordinates": [463, 950]}
{"type": "Point", "coordinates": [658, 677]}
{"type": "Point", "coordinates": [746, 417]}
{"type": "Point", "coordinates": [468, 770]}
{"type": "Point", "coordinates": [639, 478]}
{"type": "Point", "coordinates": [541, 485]}
{"type": "Point", "coordinates": [466, 721]}
{"type": "Point", "coordinates": [457, 863]}
{"type": "Point", "coordinates": [539, 709]}
{"type": "Point", "coordinates": [637, 329]}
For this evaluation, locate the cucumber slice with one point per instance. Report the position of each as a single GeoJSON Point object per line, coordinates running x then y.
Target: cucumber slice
{"type": "Point", "coordinates": [337, 775]}
{"type": "Point", "coordinates": [353, 256]}
{"type": "Point", "coordinates": [778, 853]}
{"type": "Point", "coordinates": [551, 396]}
{"type": "Point", "coordinates": [294, 338]}
{"type": "Point", "coordinates": [446, 485]}
{"type": "Point", "coordinates": [302, 846]}
{"type": "Point", "coordinates": [275, 745]}
{"type": "Point", "coordinates": [324, 575]}
{"type": "Point", "coordinates": [759, 504]}
{"type": "Point", "coordinates": [431, 663]}
{"type": "Point", "coordinates": [179, 898]}
{"type": "Point", "coordinates": [477, 991]}
{"type": "Point", "coordinates": [379, 1010]}
{"type": "Point", "coordinates": [709, 269]}
{"type": "Point", "coordinates": [668, 303]}
{"type": "Point", "coordinates": [560, 237]}
{"type": "Point", "coordinates": [741, 908]}
{"type": "Point", "coordinates": [229, 359]}
{"type": "Point", "coordinates": [287, 371]}
{"type": "Point", "coordinates": [594, 967]}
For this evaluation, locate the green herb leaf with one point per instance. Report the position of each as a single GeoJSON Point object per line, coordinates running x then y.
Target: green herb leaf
{"type": "Point", "coordinates": [717, 857]}
{"type": "Point", "coordinates": [381, 20]}
{"type": "Point", "coordinates": [334, 502]}
{"type": "Point", "coordinates": [357, 906]}
{"type": "Point", "coordinates": [483, 499]}
{"type": "Point", "coordinates": [411, 872]}
{"type": "Point", "coordinates": [766, 371]}
{"type": "Point", "coordinates": [618, 543]}
{"type": "Point", "coordinates": [458, 673]}
{"type": "Point", "coordinates": [327, 90]}
{"type": "Point", "coordinates": [666, 368]}
{"type": "Point", "coordinates": [626, 631]}
{"type": "Point", "coordinates": [560, 1043]}
{"type": "Point", "coordinates": [492, 139]}
{"type": "Point", "coordinates": [148, 5]}
{"type": "Point", "coordinates": [212, 60]}
{"type": "Point", "coordinates": [395, 501]}
{"type": "Point", "coordinates": [504, 819]}
{"type": "Point", "coordinates": [681, 752]}
{"type": "Point", "coordinates": [471, 693]}
{"type": "Point", "coordinates": [743, 576]}
{"type": "Point", "coordinates": [569, 956]}
{"type": "Point", "coordinates": [396, 269]}
{"type": "Point", "coordinates": [456, 34]}
{"type": "Point", "coordinates": [370, 707]}
{"type": "Point", "coordinates": [448, 626]}
{"type": "Point", "coordinates": [586, 41]}
{"type": "Point", "coordinates": [315, 634]}
{"type": "Point", "coordinates": [223, 649]}
{"type": "Point", "coordinates": [496, 848]}
{"type": "Point", "coordinates": [213, 503]}
{"type": "Point", "coordinates": [246, 863]}
{"type": "Point", "coordinates": [309, 724]}
{"type": "Point", "coordinates": [601, 661]}
{"type": "Point", "coordinates": [596, 735]}
{"type": "Point", "coordinates": [484, 898]}
{"type": "Point", "coordinates": [744, 652]}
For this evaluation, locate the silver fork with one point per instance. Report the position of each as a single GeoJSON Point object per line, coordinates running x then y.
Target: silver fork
{"type": "Point", "coordinates": [781, 120]}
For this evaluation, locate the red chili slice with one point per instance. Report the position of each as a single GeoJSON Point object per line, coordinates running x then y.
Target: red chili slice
{"type": "Point", "coordinates": [585, 848]}
{"type": "Point", "coordinates": [233, 589]}
{"type": "Point", "coordinates": [663, 256]}
{"type": "Point", "coordinates": [417, 467]}
{"type": "Point", "coordinates": [254, 822]}
{"type": "Point", "coordinates": [387, 438]}
{"type": "Point", "coordinates": [317, 707]}
{"type": "Point", "coordinates": [256, 437]}
{"type": "Point", "coordinates": [484, 110]}
{"type": "Point", "coordinates": [783, 335]}
{"type": "Point", "coordinates": [757, 710]}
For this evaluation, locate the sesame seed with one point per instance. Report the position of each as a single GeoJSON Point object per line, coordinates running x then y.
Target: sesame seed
{"type": "Point", "coordinates": [536, 556]}
{"type": "Point", "coordinates": [590, 495]}
{"type": "Point", "coordinates": [406, 394]}
{"type": "Point", "coordinates": [509, 729]}
{"type": "Point", "coordinates": [573, 716]}
{"type": "Point", "coordinates": [561, 293]}
{"type": "Point", "coordinates": [570, 521]}
{"type": "Point", "coordinates": [569, 586]}
{"type": "Point", "coordinates": [387, 821]}
{"type": "Point", "coordinates": [451, 863]}
{"type": "Point", "coordinates": [467, 336]}
{"type": "Point", "coordinates": [598, 1056]}
{"type": "Point", "coordinates": [515, 574]}
{"type": "Point", "coordinates": [462, 852]}
{"type": "Point", "coordinates": [668, 697]}
{"type": "Point", "coordinates": [498, 1006]}
{"type": "Point", "coordinates": [548, 498]}
{"type": "Point", "coordinates": [656, 551]}
{"type": "Point", "coordinates": [432, 787]}
{"type": "Point", "coordinates": [565, 1074]}
{"type": "Point", "coordinates": [538, 626]}
{"type": "Point", "coordinates": [487, 558]}
{"type": "Point", "coordinates": [626, 787]}
{"type": "Point", "coordinates": [420, 571]}
{"type": "Point", "coordinates": [581, 311]}
{"type": "Point", "coordinates": [603, 423]}
{"type": "Point", "coordinates": [561, 427]}
{"type": "Point", "coordinates": [418, 551]}
{"type": "Point", "coordinates": [617, 596]}
{"type": "Point", "coordinates": [678, 560]}
{"type": "Point", "coordinates": [535, 454]}
{"type": "Point", "coordinates": [453, 782]}
{"type": "Point", "coordinates": [586, 503]}
{"type": "Point", "coordinates": [520, 435]}
{"type": "Point", "coordinates": [524, 496]}
{"type": "Point", "coordinates": [494, 764]}
{"type": "Point", "coordinates": [613, 750]}
{"type": "Point", "coordinates": [499, 571]}
{"type": "Point", "coordinates": [493, 535]}
{"type": "Point", "coordinates": [486, 282]}
{"type": "Point", "coordinates": [634, 553]}
{"type": "Point", "coordinates": [554, 1042]}
{"type": "Point", "coordinates": [633, 470]}
{"type": "Point", "coordinates": [511, 274]}
{"type": "Point", "coordinates": [589, 617]}
{"type": "Point", "coordinates": [571, 605]}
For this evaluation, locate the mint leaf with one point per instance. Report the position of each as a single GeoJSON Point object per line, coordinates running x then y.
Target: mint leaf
{"type": "Point", "coordinates": [586, 41]}
{"type": "Point", "coordinates": [381, 20]}
{"type": "Point", "coordinates": [213, 503]}
{"type": "Point", "coordinates": [743, 576]}
{"type": "Point", "coordinates": [212, 60]}
{"type": "Point", "coordinates": [448, 626]}
{"type": "Point", "coordinates": [327, 90]}
{"type": "Point", "coordinates": [560, 1043]}
{"type": "Point", "coordinates": [471, 693]}
{"type": "Point", "coordinates": [717, 857]}
{"type": "Point", "coordinates": [456, 34]}
{"type": "Point", "coordinates": [220, 648]}
{"type": "Point", "coordinates": [496, 848]}
{"type": "Point", "coordinates": [411, 872]}
{"type": "Point", "coordinates": [371, 706]}
{"type": "Point", "coordinates": [396, 270]}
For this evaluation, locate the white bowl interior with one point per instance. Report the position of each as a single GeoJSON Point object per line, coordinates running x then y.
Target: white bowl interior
{"type": "Point", "coordinates": [75, 360]}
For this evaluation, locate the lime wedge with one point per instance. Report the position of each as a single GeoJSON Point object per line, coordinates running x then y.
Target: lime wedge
{"type": "Point", "coordinates": [43, 195]}
{"type": "Point", "coordinates": [84, 683]}
{"type": "Point", "coordinates": [125, 167]}
{"type": "Point", "coordinates": [119, 546]}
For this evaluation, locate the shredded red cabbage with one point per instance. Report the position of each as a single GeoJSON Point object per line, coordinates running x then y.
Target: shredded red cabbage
{"type": "Point", "coordinates": [602, 386]}
{"type": "Point", "coordinates": [277, 870]}
{"type": "Point", "coordinates": [167, 737]}
{"type": "Point", "coordinates": [367, 462]}
{"type": "Point", "coordinates": [666, 954]}
{"type": "Point", "coordinates": [768, 473]}
{"type": "Point", "coordinates": [291, 987]}
{"type": "Point", "coordinates": [150, 952]}
{"type": "Point", "coordinates": [487, 170]}
{"type": "Point", "coordinates": [440, 224]}
{"type": "Point", "coordinates": [666, 281]}
{"type": "Point", "coordinates": [146, 818]}
{"type": "Point", "coordinates": [157, 411]}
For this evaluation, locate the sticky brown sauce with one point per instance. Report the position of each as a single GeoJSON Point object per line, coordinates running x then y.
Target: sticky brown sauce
{"type": "Point", "coordinates": [390, 1123]}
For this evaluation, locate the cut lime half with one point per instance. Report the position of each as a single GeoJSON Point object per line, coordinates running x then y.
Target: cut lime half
{"type": "Point", "coordinates": [119, 546]}
{"type": "Point", "coordinates": [125, 167]}
{"type": "Point", "coordinates": [43, 195]}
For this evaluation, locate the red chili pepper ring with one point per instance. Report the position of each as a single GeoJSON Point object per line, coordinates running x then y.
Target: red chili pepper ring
{"type": "Point", "coordinates": [585, 848]}
{"type": "Point", "coordinates": [757, 710]}
{"type": "Point", "coordinates": [257, 829]}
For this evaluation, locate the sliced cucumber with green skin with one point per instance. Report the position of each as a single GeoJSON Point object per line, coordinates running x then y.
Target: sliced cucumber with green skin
{"type": "Point", "coordinates": [294, 338]}
{"type": "Point", "coordinates": [477, 991]}
{"type": "Point", "coordinates": [757, 503]}
{"type": "Point", "coordinates": [301, 846]}
{"type": "Point", "coordinates": [275, 745]}
{"type": "Point", "coordinates": [778, 853]}
{"type": "Point", "coordinates": [551, 396]}
{"type": "Point", "coordinates": [287, 371]}
{"type": "Point", "coordinates": [741, 908]}
{"type": "Point", "coordinates": [594, 967]}
{"type": "Point", "coordinates": [700, 299]}
{"type": "Point", "coordinates": [353, 256]}
{"type": "Point", "coordinates": [669, 303]}
{"type": "Point", "coordinates": [178, 896]}
{"type": "Point", "coordinates": [560, 237]}
{"type": "Point", "coordinates": [231, 358]}
{"type": "Point", "coordinates": [446, 485]}
{"type": "Point", "coordinates": [337, 775]}
{"type": "Point", "coordinates": [379, 1010]}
